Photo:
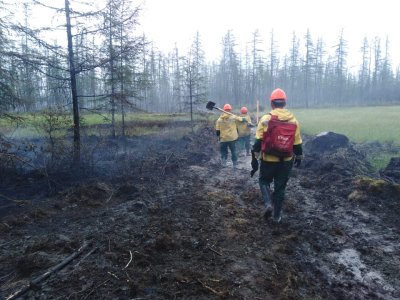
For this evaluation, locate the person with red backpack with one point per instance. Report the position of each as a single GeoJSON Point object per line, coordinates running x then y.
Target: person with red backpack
{"type": "Point", "coordinates": [278, 145]}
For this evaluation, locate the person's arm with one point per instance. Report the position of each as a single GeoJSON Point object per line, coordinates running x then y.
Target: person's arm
{"type": "Point", "coordinates": [298, 148]}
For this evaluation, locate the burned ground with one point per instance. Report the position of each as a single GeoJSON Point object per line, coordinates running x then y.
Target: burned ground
{"type": "Point", "coordinates": [164, 221]}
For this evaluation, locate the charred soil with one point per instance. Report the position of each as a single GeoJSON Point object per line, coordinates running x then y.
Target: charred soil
{"type": "Point", "coordinates": [165, 221]}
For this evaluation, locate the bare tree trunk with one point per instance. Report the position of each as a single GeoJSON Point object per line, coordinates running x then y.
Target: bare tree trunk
{"type": "Point", "coordinates": [112, 79]}
{"type": "Point", "coordinates": [75, 104]}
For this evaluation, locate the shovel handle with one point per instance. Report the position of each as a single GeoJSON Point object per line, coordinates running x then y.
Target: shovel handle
{"type": "Point", "coordinates": [227, 112]}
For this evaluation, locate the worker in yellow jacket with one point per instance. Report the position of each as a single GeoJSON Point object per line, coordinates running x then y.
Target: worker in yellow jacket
{"type": "Point", "coordinates": [244, 131]}
{"type": "Point", "coordinates": [227, 132]}
{"type": "Point", "coordinates": [276, 162]}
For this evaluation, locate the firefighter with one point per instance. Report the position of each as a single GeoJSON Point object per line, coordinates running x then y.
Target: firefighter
{"type": "Point", "coordinates": [282, 149]}
{"type": "Point", "coordinates": [226, 130]}
{"type": "Point", "coordinates": [244, 131]}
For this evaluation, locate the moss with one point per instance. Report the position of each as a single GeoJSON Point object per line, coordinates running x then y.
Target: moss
{"type": "Point", "coordinates": [377, 187]}
{"type": "Point", "coordinates": [356, 195]}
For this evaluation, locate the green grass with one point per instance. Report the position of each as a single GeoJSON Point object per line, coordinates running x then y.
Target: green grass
{"type": "Point", "coordinates": [96, 119]}
{"type": "Point", "coordinates": [359, 124]}
{"type": "Point", "coordinates": [145, 123]}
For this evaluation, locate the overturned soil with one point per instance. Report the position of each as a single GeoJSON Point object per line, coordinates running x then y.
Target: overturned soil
{"type": "Point", "coordinates": [166, 221]}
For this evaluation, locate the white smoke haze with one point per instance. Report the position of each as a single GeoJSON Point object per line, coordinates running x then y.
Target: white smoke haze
{"type": "Point", "coordinates": [176, 21]}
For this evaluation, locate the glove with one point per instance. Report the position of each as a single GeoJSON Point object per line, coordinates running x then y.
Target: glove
{"type": "Point", "coordinates": [297, 160]}
{"type": "Point", "coordinates": [254, 164]}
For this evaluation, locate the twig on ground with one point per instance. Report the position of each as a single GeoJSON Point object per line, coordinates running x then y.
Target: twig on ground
{"type": "Point", "coordinates": [48, 272]}
{"type": "Point", "coordinates": [130, 260]}
{"type": "Point", "coordinates": [209, 288]}
{"type": "Point", "coordinates": [276, 268]}
{"type": "Point", "coordinates": [113, 275]}
{"type": "Point", "coordinates": [215, 251]}
{"type": "Point", "coordinates": [104, 282]}
{"type": "Point", "coordinates": [166, 163]}
{"type": "Point", "coordinates": [109, 198]}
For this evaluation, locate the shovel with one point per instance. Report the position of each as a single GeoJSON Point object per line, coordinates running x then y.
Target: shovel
{"type": "Point", "coordinates": [210, 105]}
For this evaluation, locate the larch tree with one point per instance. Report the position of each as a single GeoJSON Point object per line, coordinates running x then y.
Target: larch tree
{"type": "Point", "coordinates": [319, 71]}
{"type": "Point", "coordinates": [8, 96]}
{"type": "Point", "coordinates": [308, 67]}
{"type": "Point", "coordinates": [256, 67]}
{"type": "Point", "coordinates": [294, 66]}
{"type": "Point", "coordinates": [273, 62]}
{"type": "Point", "coordinates": [341, 51]}
{"type": "Point", "coordinates": [228, 80]}
{"type": "Point", "coordinates": [364, 73]}
{"type": "Point", "coordinates": [195, 74]}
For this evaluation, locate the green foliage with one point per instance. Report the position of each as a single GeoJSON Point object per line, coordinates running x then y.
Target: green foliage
{"type": "Point", "coordinates": [52, 123]}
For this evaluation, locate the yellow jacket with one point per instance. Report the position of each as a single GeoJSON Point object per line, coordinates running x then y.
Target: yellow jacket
{"type": "Point", "coordinates": [226, 124]}
{"type": "Point", "coordinates": [283, 114]}
{"type": "Point", "coordinates": [243, 127]}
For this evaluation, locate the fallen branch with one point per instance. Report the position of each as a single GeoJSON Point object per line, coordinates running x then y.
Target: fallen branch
{"type": "Point", "coordinates": [53, 269]}
{"type": "Point", "coordinates": [89, 253]}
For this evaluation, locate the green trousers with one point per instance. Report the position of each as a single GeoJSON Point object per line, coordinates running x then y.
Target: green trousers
{"type": "Point", "coordinates": [224, 150]}
{"type": "Point", "coordinates": [278, 173]}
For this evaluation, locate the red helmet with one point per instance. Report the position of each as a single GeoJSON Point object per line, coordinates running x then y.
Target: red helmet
{"type": "Point", "coordinates": [243, 110]}
{"type": "Point", "coordinates": [277, 94]}
{"type": "Point", "coordinates": [227, 107]}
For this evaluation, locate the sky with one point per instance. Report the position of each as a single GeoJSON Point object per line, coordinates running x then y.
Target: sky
{"type": "Point", "coordinates": [175, 22]}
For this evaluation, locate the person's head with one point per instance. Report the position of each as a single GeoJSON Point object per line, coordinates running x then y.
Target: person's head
{"type": "Point", "coordinates": [243, 110]}
{"type": "Point", "coordinates": [278, 98]}
{"type": "Point", "coordinates": [227, 107]}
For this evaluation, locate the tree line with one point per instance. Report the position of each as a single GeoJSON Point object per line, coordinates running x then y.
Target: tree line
{"type": "Point", "coordinates": [99, 62]}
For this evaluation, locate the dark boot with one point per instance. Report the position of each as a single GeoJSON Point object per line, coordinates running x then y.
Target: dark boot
{"type": "Point", "coordinates": [277, 209]}
{"type": "Point", "coordinates": [267, 199]}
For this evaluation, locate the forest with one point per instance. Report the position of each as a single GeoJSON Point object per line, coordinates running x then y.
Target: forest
{"type": "Point", "coordinates": [98, 57]}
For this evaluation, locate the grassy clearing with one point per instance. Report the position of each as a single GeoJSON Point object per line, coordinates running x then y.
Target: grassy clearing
{"type": "Point", "coordinates": [359, 124]}
{"type": "Point", "coordinates": [35, 125]}
{"type": "Point", "coordinates": [96, 119]}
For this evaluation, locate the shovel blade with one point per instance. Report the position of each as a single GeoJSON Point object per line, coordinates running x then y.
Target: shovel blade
{"type": "Point", "coordinates": [210, 105]}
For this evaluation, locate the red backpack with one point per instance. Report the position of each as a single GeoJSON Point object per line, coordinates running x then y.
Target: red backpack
{"type": "Point", "coordinates": [279, 138]}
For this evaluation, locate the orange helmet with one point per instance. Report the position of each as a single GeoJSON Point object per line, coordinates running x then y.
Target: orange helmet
{"type": "Point", "coordinates": [278, 94]}
{"type": "Point", "coordinates": [227, 107]}
{"type": "Point", "coordinates": [243, 110]}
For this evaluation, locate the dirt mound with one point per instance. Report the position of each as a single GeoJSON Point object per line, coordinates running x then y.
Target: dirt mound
{"type": "Point", "coordinates": [331, 163]}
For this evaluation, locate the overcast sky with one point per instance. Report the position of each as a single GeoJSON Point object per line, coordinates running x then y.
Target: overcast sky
{"type": "Point", "coordinates": [167, 22]}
